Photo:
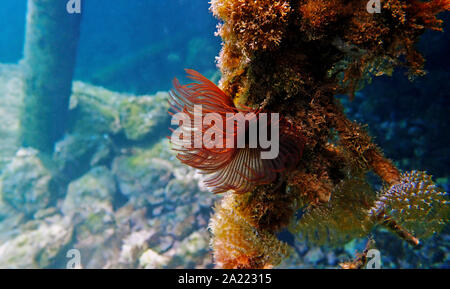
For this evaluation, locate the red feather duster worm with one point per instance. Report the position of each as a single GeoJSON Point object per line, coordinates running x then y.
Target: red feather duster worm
{"type": "Point", "coordinates": [230, 168]}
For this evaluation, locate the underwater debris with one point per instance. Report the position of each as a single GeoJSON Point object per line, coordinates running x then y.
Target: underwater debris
{"type": "Point", "coordinates": [49, 63]}
{"type": "Point", "coordinates": [293, 57]}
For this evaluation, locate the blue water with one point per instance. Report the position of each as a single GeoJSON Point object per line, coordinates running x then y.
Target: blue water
{"type": "Point", "coordinates": [134, 46]}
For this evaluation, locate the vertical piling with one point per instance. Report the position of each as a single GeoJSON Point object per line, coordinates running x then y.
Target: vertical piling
{"type": "Point", "coordinates": [51, 41]}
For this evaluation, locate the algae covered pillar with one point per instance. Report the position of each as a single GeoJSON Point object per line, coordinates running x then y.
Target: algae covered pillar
{"type": "Point", "coordinates": [51, 41]}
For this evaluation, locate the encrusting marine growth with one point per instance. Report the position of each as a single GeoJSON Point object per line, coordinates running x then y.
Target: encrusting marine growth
{"type": "Point", "coordinates": [293, 57]}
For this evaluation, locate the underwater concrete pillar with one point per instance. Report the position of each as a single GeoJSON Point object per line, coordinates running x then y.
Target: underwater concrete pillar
{"type": "Point", "coordinates": [51, 42]}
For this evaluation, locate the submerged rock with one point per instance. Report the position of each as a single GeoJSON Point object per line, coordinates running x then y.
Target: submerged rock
{"type": "Point", "coordinates": [314, 256]}
{"type": "Point", "coordinates": [94, 110]}
{"type": "Point", "coordinates": [25, 183]}
{"type": "Point", "coordinates": [89, 202]}
{"type": "Point", "coordinates": [91, 193]}
{"type": "Point", "coordinates": [133, 246]}
{"type": "Point", "coordinates": [192, 252]}
{"type": "Point", "coordinates": [98, 111]}
{"type": "Point", "coordinates": [143, 177]}
{"type": "Point", "coordinates": [141, 116]}
{"type": "Point", "coordinates": [38, 246]}
{"type": "Point", "coordinates": [76, 153]}
{"type": "Point", "coordinates": [152, 260]}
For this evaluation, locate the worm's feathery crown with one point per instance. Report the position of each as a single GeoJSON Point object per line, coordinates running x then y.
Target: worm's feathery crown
{"type": "Point", "coordinates": [238, 169]}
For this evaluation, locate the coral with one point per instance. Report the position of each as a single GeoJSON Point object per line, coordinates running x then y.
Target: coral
{"type": "Point", "coordinates": [293, 57]}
